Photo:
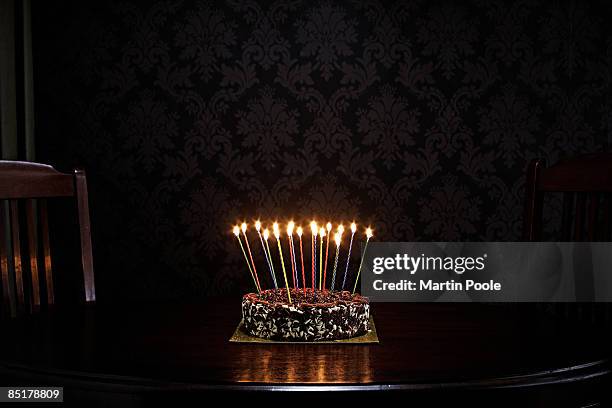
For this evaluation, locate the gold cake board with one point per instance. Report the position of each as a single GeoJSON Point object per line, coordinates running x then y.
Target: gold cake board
{"type": "Point", "coordinates": [240, 336]}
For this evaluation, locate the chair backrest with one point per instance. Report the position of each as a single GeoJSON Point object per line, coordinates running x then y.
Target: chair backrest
{"type": "Point", "coordinates": [586, 184]}
{"type": "Point", "coordinates": [24, 189]}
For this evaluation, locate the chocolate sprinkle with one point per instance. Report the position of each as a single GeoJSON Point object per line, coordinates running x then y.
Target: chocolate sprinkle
{"type": "Point", "coordinates": [311, 316]}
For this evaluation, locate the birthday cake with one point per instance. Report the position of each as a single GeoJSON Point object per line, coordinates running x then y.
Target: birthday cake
{"type": "Point", "coordinates": [311, 315]}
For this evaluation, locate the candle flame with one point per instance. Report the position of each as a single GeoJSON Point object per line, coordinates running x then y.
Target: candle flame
{"type": "Point", "coordinates": [315, 229]}
{"type": "Point", "coordinates": [337, 238]}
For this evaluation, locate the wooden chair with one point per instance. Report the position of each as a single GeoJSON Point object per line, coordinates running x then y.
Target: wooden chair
{"type": "Point", "coordinates": [33, 184]}
{"type": "Point", "coordinates": [586, 184]}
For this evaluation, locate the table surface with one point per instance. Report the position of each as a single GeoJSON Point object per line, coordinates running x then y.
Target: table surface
{"type": "Point", "coordinates": [421, 346]}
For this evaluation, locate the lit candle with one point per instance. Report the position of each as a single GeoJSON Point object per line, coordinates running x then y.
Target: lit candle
{"type": "Point", "coordinates": [321, 236]}
{"type": "Point", "coordinates": [237, 234]}
{"type": "Point", "coordinates": [348, 258]}
{"type": "Point", "coordinates": [263, 246]}
{"type": "Point", "coordinates": [280, 252]}
{"type": "Point", "coordinates": [337, 239]}
{"type": "Point", "coordinates": [290, 227]}
{"type": "Point", "coordinates": [314, 230]}
{"type": "Point", "coordinates": [300, 231]}
{"type": "Point", "coordinates": [243, 227]}
{"type": "Point", "coordinates": [266, 235]}
{"type": "Point", "coordinates": [328, 227]}
{"type": "Point", "coordinates": [368, 236]}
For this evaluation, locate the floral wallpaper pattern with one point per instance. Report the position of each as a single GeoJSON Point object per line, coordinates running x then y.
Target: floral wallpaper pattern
{"type": "Point", "coordinates": [418, 117]}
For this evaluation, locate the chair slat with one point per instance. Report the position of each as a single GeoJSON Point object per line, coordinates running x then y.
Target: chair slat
{"type": "Point", "coordinates": [33, 250]}
{"type": "Point", "coordinates": [605, 233]}
{"type": "Point", "coordinates": [8, 294]}
{"type": "Point", "coordinates": [592, 215]}
{"type": "Point", "coordinates": [579, 217]}
{"type": "Point", "coordinates": [85, 230]}
{"type": "Point", "coordinates": [566, 217]}
{"type": "Point", "coordinates": [16, 244]}
{"type": "Point", "coordinates": [533, 203]}
{"type": "Point", "coordinates": [44, 227]}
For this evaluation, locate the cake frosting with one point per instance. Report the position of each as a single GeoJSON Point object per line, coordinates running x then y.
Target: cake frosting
{"type": "Point", "coordinates": [311, 315]}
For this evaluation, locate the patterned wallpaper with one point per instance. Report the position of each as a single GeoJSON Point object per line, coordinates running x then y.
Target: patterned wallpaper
{"type": "Point", "coordinates": [418, 117]}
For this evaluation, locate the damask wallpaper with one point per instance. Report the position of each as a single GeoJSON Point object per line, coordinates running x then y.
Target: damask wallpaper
{"type": "Point", "coordinates": [418, 117]}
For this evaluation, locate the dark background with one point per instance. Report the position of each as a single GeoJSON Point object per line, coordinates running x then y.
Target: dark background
{"type": "Point", "coordinates": [417, 117]}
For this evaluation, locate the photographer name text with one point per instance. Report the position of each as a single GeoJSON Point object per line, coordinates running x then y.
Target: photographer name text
{"type": "Point", "coordinates": [431, 285]}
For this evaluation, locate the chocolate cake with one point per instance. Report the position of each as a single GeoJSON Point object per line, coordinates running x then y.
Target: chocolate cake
{"type": "Point", "coordinates": [311, 315]}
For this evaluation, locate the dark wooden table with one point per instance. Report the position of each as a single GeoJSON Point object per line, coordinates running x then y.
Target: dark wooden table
{"type": "Point", "coordinates": [423, 347]}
